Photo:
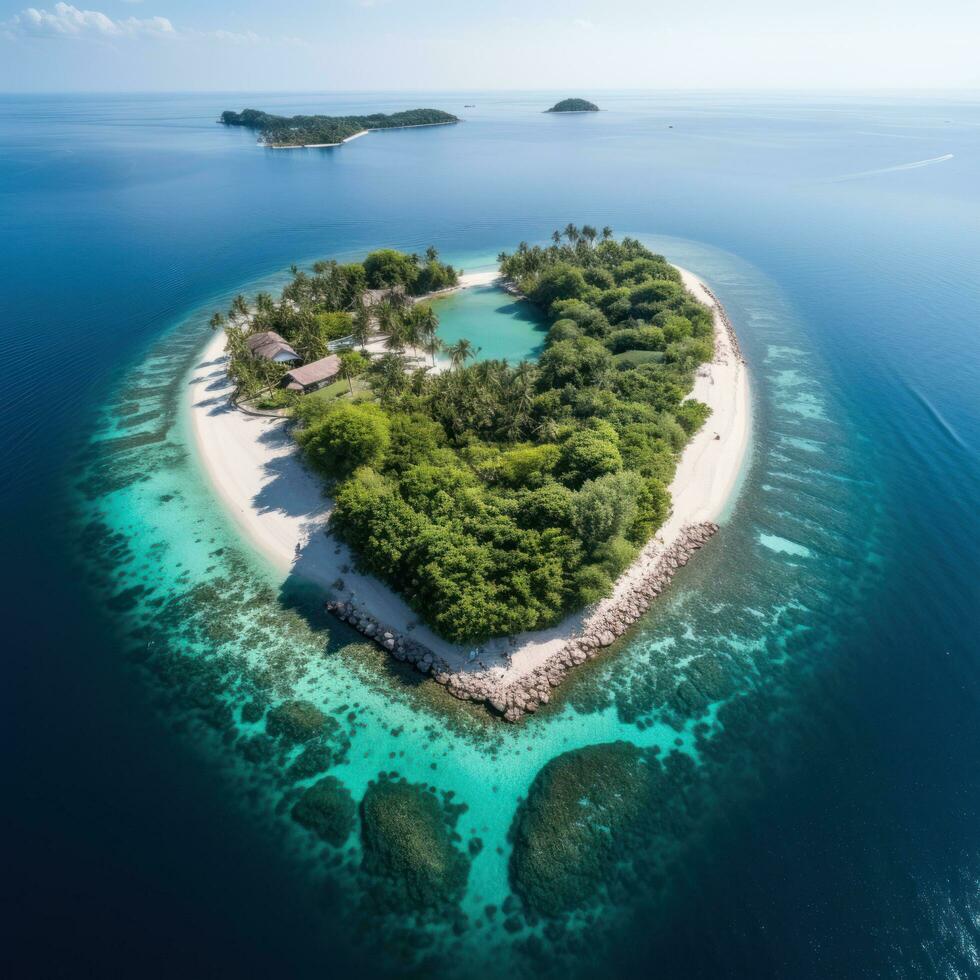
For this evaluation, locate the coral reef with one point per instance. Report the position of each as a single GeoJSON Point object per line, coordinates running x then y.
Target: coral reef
{"type": "Point", "coordinates": [327, 809]}
{"type": "Point", "coordinates": [407, 836]}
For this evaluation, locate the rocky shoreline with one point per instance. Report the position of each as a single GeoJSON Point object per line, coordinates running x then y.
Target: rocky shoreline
{"type": "Point", "coordinates": [512, 698]}
{"type": "Point", "coordinates": [723, 316]}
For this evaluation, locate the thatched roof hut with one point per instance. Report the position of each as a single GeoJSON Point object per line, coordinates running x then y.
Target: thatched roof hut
{"type": "Point", "coordinates": [309, 377]}
{"type": "Point", "coordinates": [271, 347]}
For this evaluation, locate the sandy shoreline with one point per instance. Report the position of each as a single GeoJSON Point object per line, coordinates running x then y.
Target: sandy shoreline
{"type": "Point", "coordinates": [253, 465]}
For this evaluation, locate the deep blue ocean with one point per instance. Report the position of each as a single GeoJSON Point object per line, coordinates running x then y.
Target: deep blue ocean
{"type": "Point", "coordinates": [816, 667]}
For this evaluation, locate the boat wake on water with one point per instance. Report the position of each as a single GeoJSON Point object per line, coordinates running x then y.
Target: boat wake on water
{"type": "Point", "coordinates": [890, 170]}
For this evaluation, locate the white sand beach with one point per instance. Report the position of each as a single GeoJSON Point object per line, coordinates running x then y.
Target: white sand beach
{"type": "Point", "coordinates": [280, 507]}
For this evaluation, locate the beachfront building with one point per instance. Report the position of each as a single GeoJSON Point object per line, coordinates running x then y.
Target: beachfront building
{"type": "Point", "coordinates": [309, 377]}
{"type": "Point", "coordinates": [271, 347]}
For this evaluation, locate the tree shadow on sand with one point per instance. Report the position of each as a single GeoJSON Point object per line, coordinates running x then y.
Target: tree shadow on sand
{"type": "Point", "coordinates": [302, 595]}
{"type": "Point", "coordinates": [290, 488]}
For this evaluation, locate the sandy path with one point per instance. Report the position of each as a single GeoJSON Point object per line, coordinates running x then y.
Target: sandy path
{"type": "Point", "coordinates": [254, 467]}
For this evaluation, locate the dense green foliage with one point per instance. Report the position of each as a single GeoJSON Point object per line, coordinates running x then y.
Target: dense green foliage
{"type": "Point", "coordinates": [304, 130]}
{"type": "Point", "coordinates": [497, 498]}
{"type": "Point", "coordinates": [328, 304]}
{"type": "Point", "coordinates": [350, 435]}
{"type": "Point", "coordinates": [389, 268]}
{"type": "Point", "coordinates": [574, 105]}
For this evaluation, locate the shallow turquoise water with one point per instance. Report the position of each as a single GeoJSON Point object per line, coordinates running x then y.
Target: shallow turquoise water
{"type": "Point", "coordinates": [498, 326]}
{"type": "Point", "coordinates": [812, 668]}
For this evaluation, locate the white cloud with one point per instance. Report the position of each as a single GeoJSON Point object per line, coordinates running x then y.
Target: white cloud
{"type": "Point", "coordinates": [586, 25]}
{"type": "Point", "coordinates": [66, 20]}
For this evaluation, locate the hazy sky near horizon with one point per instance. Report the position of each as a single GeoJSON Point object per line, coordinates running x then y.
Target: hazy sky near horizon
{"type": "Point", "coordinates": [576, 45]}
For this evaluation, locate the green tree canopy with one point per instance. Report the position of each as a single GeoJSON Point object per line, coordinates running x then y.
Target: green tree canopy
{"type": "Point", "coordinates": [559, 282]}
{"type": "Point", "coordinates": [387, 267]}
{"type": "Point", "coordinates": [580, 361]}
{"type": "Point", "coordinates": [586, 455]}
{"type": "Point", "coordinates": [606, 507]}
{"type": "Point", "coordinates": [496, 497]}
{"type": "Point", "coordinates": [345, 437]}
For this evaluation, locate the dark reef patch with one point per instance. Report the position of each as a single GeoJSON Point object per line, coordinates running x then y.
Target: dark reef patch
{"type": "Point", "coordinates": [604, 824]}
{"type": "Point", "coordinates": [581, 809]}
{"type": "Point", "coordinates": [327, 808]}
{"type": "Point", "coordinates": [298, 721]}
{"type": "Point", "coordinates": [407, 835]}
{"type": "Point", "coordinates": [315, 758]}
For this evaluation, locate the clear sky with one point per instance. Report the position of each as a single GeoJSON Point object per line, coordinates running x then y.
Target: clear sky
{"type": "Point", "coordinates": [578, 45]}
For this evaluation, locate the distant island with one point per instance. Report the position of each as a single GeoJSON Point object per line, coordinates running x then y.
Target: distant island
{"type": "Point", "coordinates": [289, 131]}
{"type": "Point", "coordinates": [574, 105]}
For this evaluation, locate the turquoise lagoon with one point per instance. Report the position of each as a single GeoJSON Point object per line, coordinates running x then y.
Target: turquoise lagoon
{"type": "Point", "coordinates": [498, 326]}
{"type": "Point", "coordinates": [809, 679]}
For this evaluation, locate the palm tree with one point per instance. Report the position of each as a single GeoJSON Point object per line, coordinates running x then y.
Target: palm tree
{"type": "Point", "coordinates": [428, 319]}
{"type": "Point", "coordinates": [412, 330]}
{"type": "Point", "coordinates": [489, 376]}
{"type": "Point", "coordinates": [388, 375]}
{"type": "Point", "coordinates": [239, 309]}
{"type": "Point", "coordinates": [418, 381]}
{"type": "Point", "coordinates": [386, 315]}
{"type": "Point", "coordinates": [589, 233]}
{"type": "Point", "coordinates": [571, 232]}
{"type": "Point", "coordinates": [556, 237]}
{"type": "Point", "coordinates": [216, 321]}
{"type": "Point", "coordinates": [361, 325]}
{"type": "Point", "coordinates": [432, 345]}
{"type": "Point", "coordinates": [352, 363]}
{"type": "Point", "coordinates": [263, 303]}
{"type": "Point", "coordinates": [397, 337]}
{"type": "Point", "coordinates": [547, 430]}
{"type": "Point", "coordinates": [606, 233]}
{"type": "Point", "coordinates": [522, 386]}
{"type": "Point", "coordinates": [459, 353]}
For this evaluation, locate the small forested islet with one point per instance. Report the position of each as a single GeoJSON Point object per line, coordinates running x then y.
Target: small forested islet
{"type": "Point", "coordinates": [574, 105]}
{"type": "Point", "coordinates": [327, 130]}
